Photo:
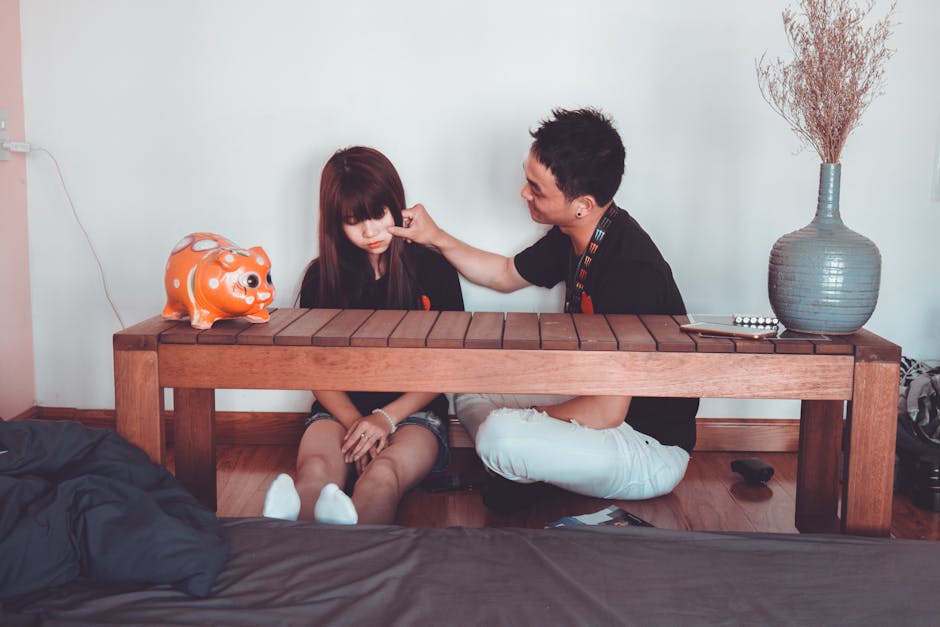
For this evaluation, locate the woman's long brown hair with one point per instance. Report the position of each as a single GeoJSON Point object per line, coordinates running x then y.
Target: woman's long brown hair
{"type": "Point", "coordinates": [360, 183]}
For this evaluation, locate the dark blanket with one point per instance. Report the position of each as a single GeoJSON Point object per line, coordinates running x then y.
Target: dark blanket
{"type": "Point", "coordinates": [283, 573]}
{"type": "Point", "coordinates": [80, 502]}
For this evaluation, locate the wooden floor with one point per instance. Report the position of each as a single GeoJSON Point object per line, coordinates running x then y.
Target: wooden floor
{"type": "Point", "coordinates": [710, 498]}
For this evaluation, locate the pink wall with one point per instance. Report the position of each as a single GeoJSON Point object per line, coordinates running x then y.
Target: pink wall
{"type": "Point", "coordinates": [17, 376]}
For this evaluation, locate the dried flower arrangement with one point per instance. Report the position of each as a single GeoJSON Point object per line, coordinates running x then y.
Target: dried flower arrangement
{"type": "Point", "coordinates": [836, 72]}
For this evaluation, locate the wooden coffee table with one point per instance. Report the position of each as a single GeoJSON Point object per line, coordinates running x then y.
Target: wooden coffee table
{"type": "Point", "coordinates": [846, 453]}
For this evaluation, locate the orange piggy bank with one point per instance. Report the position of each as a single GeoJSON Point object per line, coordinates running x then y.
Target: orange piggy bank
{"type": "Point", "coordinates": [209, 278]}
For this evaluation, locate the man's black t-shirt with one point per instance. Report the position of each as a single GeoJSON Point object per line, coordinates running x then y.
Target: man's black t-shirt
{"type": "Point", "coordinates": [437, 288]}
{"type": "Point", "coordinates": [627, 275]}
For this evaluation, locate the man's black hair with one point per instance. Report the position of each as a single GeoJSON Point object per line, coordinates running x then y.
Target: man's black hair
{"type": "Point", "coordinates": [584, 152]}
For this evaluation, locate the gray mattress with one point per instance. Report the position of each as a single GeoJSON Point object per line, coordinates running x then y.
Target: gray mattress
{"type": "Point", "coordinates": [303, 573]}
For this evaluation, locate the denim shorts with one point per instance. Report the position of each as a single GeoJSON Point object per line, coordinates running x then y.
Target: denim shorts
{"type": "Point", "coordinates": [427, 419]}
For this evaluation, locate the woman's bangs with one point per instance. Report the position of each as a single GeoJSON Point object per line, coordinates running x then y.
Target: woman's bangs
{"type": "Point", "coordinates": [360, 210]}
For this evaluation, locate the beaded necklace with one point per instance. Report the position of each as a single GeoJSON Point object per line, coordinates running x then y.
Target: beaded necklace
{"type": "Point", "coordinates": [575, 288]}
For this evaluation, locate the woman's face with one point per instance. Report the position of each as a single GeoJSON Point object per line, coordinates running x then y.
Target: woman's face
{"type": "Point", "coordinates": [371, 236]}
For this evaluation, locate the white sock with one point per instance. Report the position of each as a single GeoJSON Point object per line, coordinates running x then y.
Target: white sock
{"type": "Point", "coordinates": [282, 500]}
{"type": "Point", "coordinates": [334, 507]}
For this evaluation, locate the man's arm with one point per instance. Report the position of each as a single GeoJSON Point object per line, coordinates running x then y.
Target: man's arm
{"type": "Point", "coordinates": [594, 412]}
{"type": "Point", "coordinates": [484, 268]}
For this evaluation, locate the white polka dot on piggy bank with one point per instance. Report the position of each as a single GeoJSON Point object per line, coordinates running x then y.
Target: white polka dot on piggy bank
{"type": "Point", "coordinates": [210, 278]}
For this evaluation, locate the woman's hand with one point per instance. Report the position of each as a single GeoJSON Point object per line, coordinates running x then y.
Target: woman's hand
{"type": "Point", "coordinates": [369, 434]}
{"type": "Point", "coordinates": [366, 459]}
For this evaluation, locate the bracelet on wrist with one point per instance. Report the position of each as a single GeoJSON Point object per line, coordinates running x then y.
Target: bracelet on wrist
{"type": "Point", "coordinates": [388, 417]}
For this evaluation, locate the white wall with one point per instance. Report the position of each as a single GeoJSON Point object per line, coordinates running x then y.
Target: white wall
{"type": "Point", "coordinates": [170, 116]}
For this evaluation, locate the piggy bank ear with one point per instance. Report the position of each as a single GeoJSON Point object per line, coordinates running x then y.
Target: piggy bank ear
{"type": "Point", "coordinates": [228, 260]}
{"type": "Point", "coordinates": [259, 252]}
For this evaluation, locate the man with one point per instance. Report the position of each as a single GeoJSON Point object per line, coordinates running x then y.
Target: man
{"type": "Point", "coordinates": [603, 446]}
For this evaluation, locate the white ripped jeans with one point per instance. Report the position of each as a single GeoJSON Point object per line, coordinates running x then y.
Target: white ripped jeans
{"type": "Point", "coordinates": [526, 446]}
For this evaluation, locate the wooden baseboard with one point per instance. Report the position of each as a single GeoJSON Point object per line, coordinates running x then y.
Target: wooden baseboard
{"type": "Point", "coordinates": [758, 435]}
{"type": "Point", "coordinates": [240, 428]}
{"type": "Point", "coordinates": [32, 412]}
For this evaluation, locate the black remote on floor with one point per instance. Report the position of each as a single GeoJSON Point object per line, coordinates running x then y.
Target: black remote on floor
{"type": "Point", "coordinates": [754, 470]}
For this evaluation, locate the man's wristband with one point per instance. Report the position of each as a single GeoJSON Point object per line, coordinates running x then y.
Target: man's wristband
{"type": "Point", "coordinates": [391, 422]}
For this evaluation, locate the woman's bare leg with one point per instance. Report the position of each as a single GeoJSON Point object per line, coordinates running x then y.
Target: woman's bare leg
{"type": "Point", "coordinates": [397, 469]}
{"type": "Point", "coordinates": [319, 462]}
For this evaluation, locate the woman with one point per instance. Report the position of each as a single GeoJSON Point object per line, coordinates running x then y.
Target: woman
{"type": "Point", "coordinates": [391, 440]}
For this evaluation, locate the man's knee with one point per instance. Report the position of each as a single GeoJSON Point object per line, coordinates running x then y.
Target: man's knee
{"type": "Point", "coordinates": [472, 410]}
{"type": "Point", "coordinates": [671, 474]}
{"type": "Point", "coordinates": [662, 475]}
{"type": "Point", "coordinates": [498, 441]}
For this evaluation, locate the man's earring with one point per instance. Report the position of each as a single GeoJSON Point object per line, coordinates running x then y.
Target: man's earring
{"type": "Point", "coordinates": [577, 215]}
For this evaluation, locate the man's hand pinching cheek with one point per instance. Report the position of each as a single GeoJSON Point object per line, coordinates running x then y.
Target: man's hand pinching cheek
{"type": "Point", "coordinates": [400, 231]}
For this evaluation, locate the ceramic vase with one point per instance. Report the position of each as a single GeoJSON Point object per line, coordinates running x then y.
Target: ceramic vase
{"type": "Point", "coordinates": [824, 278]}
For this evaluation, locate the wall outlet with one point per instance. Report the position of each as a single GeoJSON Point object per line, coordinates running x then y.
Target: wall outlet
{"type": "Point", "coordinates": [4, 134]}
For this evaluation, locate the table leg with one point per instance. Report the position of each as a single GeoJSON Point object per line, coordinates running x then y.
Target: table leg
{"type": "Point", "coordinates": [820, 456]}
{"type": "Point", "coordinates": [869, 480]}
{"type": "Point", "coordinates": [194, 442]}
{"type": "Point", "coordinates": [138, 401]}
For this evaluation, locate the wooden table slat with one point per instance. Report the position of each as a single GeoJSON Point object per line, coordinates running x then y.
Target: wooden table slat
{"type": "Point", "coordinates": [669, 337]}
{"type": "Point", "coordinates": [300, 332]}
{"type": "Point", "coordinates": [522, 331]}
{"type": "Point", "coordinates": [808, 344]}
{"type": "Point", "coordinates": [558, 332]}
{"type": "Point", "coordinates": [377, 329]}
{"type": "Point", "coordinates": [749, 345]}
{"type": "Point", "coordinates": [594, 333]}
{"type": "Point", "coordinates": [449, 330]}
{"type": "Point", "coordinates": [143, 335]}
{"type": "Point", "coordinates": [340, 328]}
{"type": "Point", "coordinates": [180, 333]}
{"type": "Point", "coordinates": [710, 344]}
{"type": "Point", "coordinates": [224, 331]}
{"type": "Point", "coordinates": [264, 334]}
{"type": "Point", "coordinates": [485, 331]}
{"type": "Point", "coordinates": [631, 333]}
{"type": "Point", "coordinates": [837, 345]}
{"type": "Point", "coordinates": [414, 329]}
{"type": "Point", "coordinates": [793, 346]}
